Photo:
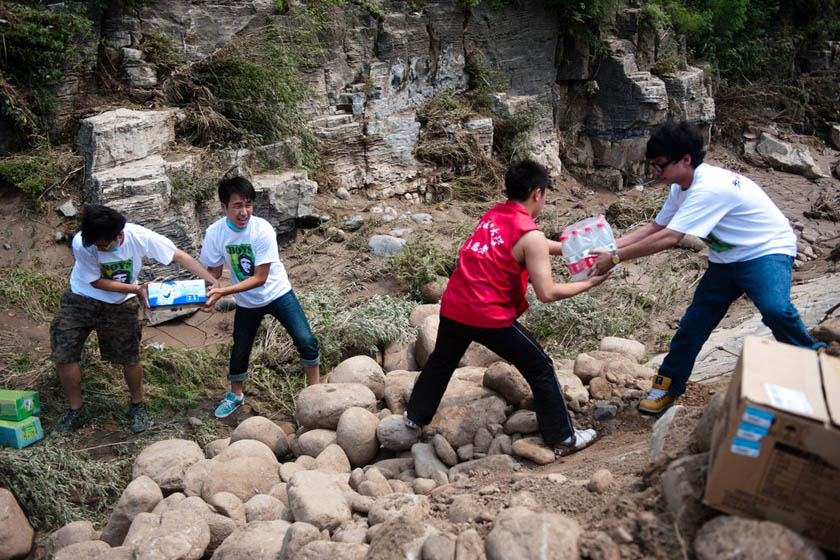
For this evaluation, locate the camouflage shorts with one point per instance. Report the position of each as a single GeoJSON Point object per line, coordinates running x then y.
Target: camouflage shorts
{"type": "Point", "coordinates": [117, 326]}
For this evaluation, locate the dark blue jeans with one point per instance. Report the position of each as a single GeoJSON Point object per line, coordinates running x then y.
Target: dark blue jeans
{"type": "Point", "coordinates": [514, 344]}
{"type": "Point", "coordinates": [765, 280]}
{"type": "Point", "coordinates": [285, 309]}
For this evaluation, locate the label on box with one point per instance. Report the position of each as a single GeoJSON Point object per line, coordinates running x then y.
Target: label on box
{"type": "Point", "coordinates": [750, 432]}
{"type": "Point", "coordinates": [747, 448]}
{"type": "Point", "coordinates": [179, 292]}
{"type": "Point", "coordinates": [758, 417]}
{"type": "Point", "coordinates": [788, 399]}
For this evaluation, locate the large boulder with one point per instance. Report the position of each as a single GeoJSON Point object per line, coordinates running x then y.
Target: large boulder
{"type": "Point", "coordinates": [245, 468]}
{"type": "Point", "coordinates": [749, 539]}
{"type": "Point", "coordinates": [319, 499]}
{"type": "Point", "coordinates": [123, 135]}
{"type": "Point", "coordinates": [630, 348]}
{"type": "Point", "coordinates": [524, 534]}
{"type": "Point", "coordinates": [258, 540]}
{"type": "Point", "coordinates": [140, 496]}
{"type": "Point", "coordinates": [356, 434]}
{"type": "Point", "coordinates": [72, 533]}
{"type": "Point", "coordinates": [320, 406]}
{"type": "Point", "coordinates": [166, 462]}
{"type": "Point", "coordinates": [360, 369]}
{"type": "Point", "coordinates": [15, 531]}
{"type": "Point", "coordinates": [262, 429]}
{"type": "Point", "coordinates": [176, 535]}
{"type": "Point", "coordinates": [506, 380]}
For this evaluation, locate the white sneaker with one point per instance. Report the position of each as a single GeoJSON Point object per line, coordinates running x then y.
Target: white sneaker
{"type": "Point", "coordinates": [580, 440]}
{"type": "Point", "coordinates": [409, 422]}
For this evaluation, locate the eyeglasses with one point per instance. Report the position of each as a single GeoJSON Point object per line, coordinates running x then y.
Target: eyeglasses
{"type": "Point", "coordinates": [660, 167]}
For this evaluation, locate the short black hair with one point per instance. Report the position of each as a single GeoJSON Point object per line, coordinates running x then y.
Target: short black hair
{"type": "Point", "coordinates": [236, 185]}
{"type": "Point", "coordinates": [100, 223]}
{"type": "Point", "coordinates": [523, 178]}
{"type": "Point", "coordinates": [674, 140]}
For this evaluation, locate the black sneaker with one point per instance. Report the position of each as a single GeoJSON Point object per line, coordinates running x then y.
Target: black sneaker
{"type": "Point", "coordinates": [139, 418]}
{"type": "Point", "coordinates": [73, 420]}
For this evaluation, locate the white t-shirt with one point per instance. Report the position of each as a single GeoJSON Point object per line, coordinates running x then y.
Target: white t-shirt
{"type": "Point", "coordinates": [731, 214]}
{"type": "Point", "coordinates": [122, 265]}
{"type": "Point", "coordinates": [244, 250]}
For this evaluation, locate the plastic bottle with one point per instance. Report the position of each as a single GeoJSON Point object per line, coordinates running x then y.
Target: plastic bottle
{"type": "Point", "coordinates": [580, 239]}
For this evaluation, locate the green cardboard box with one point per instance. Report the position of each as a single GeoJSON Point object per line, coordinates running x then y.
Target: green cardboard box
{"type": "Point", "coordinates": [17, 405]}
{"type": "Point", "coordinates": [21, 433]}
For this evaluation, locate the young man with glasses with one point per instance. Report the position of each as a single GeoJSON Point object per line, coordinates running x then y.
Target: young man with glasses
{"type": "Point", "coordinates": [103, 295]}
{"type": "Point", "coordinates": [751, 251]}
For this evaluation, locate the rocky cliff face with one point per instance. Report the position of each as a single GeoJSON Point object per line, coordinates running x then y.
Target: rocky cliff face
{"type": "Point", "coordinates": [600, 102]}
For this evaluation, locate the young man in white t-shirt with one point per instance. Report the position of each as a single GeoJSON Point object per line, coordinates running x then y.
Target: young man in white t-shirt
{"type": "Point", "coordinates": [751, 251]}
{"type": "Point", "coordinates": [103, 296]}
{"type": "Point", "coordinates": [258, 282]}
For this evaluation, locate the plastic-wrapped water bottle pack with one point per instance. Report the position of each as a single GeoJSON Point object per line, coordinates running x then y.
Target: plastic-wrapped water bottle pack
{"type": "Point", "coordinates": [580, 239]}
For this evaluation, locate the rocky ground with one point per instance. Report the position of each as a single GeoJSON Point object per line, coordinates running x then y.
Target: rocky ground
{"type": "Point", "coordinates": [628, 496]}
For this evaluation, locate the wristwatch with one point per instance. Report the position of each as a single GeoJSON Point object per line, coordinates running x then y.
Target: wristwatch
{"type": "Point", "coordinates": [615, 258]}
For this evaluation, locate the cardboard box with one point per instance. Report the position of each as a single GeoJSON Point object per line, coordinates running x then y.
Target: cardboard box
{"type": "Point", "coordinates": [17, 405]}
{"type": "Point", "coordinates": [179, 292]}
{"type": "Point", "coordinates": [21, 433]}
{"type": "Point", "coordinates": [776, 445]}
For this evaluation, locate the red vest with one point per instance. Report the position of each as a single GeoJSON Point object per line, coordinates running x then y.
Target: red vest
{"type": "Point", "coordinates": [488, 286]}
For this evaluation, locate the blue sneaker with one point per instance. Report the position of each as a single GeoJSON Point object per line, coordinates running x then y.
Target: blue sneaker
{"type": "Point", "coordinates": [230, 403]}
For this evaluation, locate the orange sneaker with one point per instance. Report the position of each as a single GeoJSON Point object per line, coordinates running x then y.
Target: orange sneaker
{"type": "Point", "coordinates": [659, 398]}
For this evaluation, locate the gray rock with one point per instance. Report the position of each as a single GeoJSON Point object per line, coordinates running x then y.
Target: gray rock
{"type": "Point", "coordinates": [260, 540]}
{"type": "Point", "coordinates": [312, 442]}
{"type": "Point", "coordinates": [520, 533]}
{"type": "Point", "coordinates": [661, 429]}
{"type": "Point", "coordinates": [320, 406]}
{"type": "Point", "coordinates": [342, 193]}
{"type": "Point", "coordinates": [422, 218]}
{"type": "Point", "coordinates": [521, 422]}
{"type": "Point", "coordinates": [319, 499]}
{"type": "Point", "coordinates": [482, 440]}
{"type": "Point", "coordinates": [399, 538]}
{"type": "Point", "coordinates": [263, 507]}
{"type": "Point", "coordinates": [166, 463]}
{"type": "Point", "coordinates": [177, 534]}
{"type": "Point", "coordinates": [215, 447]}
{"type": "Point", "coordinates": [264, 430]}
{"type": "Point", "coordinates": [464, 508]}
{"type": "Point", "coordinates": [140, 496]}
{"type": "Point", "coordinates": [124, 135]}
{"type": "Point", "coordinates": [225, 304]}
{"type": "Point", "coordinates": [352, 224]}
{"type": "Point", "coordinates": [469, 546]}
{"type": "Point", "coordinates": [630, 348]}
{"type": "Point", "coordinates": [245, 468]}
{"type": "Point", "coordinates": [406, 507]}
{"type": "Point", "coordinates": [427, 464]}
{"type": "Point", "coordinates": [85, 549]}
{"type": "Point", "coordinates": [230, 506]}
{"type": "Point", "coordinates": [68, 210]}
{"type": "Point", "coordinates": [534, 450]}
{"type": "Point", "coordinates": [781, 155]}
{"type": "Point", "coordinates": [15, 531]}
{"type": "Point", "coordinates": [701, 438]}
{"type": "Point", "coordinates": [393, 434]}
{"type": "Point", "coordinates": [604, 410]}
{"type": "Point", "coordinates": [444, 451]}
{"type": "Point", "coordinates": [439, 547]}
{"type": "Point", "coordinates": [318, 550]}
{"type": "Point", "coordinates": [332, 459]}
{"type": "Point", "coordinates": [491, 463]}
{"type": "Point", "coordinates": [683, 485]}
{"type": "Point", "coordinates": [297, 536]}
{"type": "Point", "coordinates": [356, 434]}
{"type": "Point", "coordinates": [72, 533]}
{"type": "Point", "coordinates": [385, 245]}
{"type": "Point", "coordinates": [600, 481]}
{"type": "Point", "coordinates": [506, 380]}
{"type": "Point", "coordinates": [748, 539]}
{"type": "Point", "coordinates": [587, 367]}
{"type": "Point", "coordinates": [360, 369]}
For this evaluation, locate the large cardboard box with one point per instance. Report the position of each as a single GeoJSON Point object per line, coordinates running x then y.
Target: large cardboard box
{"type": "Point", "coordinates": [776, 447]}
{"type": "Point", "coordinates": [22, 433]}
{"type": "Point", "coordinates": [17, 405]}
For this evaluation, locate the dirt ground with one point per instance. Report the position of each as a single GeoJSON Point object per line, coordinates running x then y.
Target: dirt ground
{"type": "Point", "coordinates": [623, 446]}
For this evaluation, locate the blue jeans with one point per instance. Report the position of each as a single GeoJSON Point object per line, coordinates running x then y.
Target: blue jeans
{"type": "Point", "coordinates": [285, 309]}
{"type": "Point", "coordinates": [765, 280]}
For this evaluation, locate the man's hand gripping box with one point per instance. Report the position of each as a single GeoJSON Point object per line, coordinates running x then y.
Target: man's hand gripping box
{"type": "Point", "coordinates": [179, 292]}
{"type": "Point", "coordinates": [776, 446]}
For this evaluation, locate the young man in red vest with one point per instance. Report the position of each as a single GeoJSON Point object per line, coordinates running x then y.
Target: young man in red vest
{"type": "Point", "coordinates": [485, 296]}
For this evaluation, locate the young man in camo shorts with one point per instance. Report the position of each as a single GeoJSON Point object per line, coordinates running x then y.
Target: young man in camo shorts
{"type": "Point", "coordinates": [103, 296]}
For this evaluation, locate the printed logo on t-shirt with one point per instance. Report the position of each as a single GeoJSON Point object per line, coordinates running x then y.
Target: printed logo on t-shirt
{"type": "Point", "coordinates": [736, 180]}
{"type": "Point", "coordinates": [118, 271]}
{"type": "Point", "coordinates": [241, 260]}
{"type": "Point", "coordinates": [716, 244]}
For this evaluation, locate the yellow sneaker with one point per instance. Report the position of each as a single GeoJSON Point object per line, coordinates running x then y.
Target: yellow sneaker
{"type": "Point", "coordinates": [659, 398]}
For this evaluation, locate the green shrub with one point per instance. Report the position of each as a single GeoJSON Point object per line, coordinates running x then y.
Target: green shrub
{"type": "Point", "coordinates": [37, 293]}
{"type": "Point", "coordinates": [56, 486]}
{"type": "Point", "coordinates": [162, 50]}
{"type": "Point", "coordinates": [190, 186]}
{"type": "Point", "coordinates": [418, 263]}
{"type": "Point", "coordinates": [511, 136]}
{"type": "Point", "coordinates": [40, 44]}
